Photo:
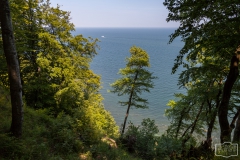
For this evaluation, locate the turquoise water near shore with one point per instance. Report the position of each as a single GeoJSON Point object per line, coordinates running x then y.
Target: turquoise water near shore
{"type": "Point", "coordinates": [114, 48]}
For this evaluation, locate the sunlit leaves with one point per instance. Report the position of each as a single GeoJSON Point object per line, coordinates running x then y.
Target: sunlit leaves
{"type": "Point", "coordinates": [55, 67]}
{"type": "Point", "coordinates": [135, 78]}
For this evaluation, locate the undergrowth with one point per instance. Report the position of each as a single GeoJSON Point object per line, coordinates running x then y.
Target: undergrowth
{"type": "Point", "coordinates": [49, 138]}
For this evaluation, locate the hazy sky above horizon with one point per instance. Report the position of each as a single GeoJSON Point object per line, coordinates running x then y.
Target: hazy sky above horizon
{"type": "Point", "coordinates": [116, 13]}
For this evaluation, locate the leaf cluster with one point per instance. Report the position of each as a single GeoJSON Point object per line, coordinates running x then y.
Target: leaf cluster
{"type": "Point", "coordinates": [136, 79]}
{"type": "Point", "coordinates": [210, 31]}
{"type": "Point", "coordinates": [209, 25]}
{"type": "Point", "coordinates": [56, 75]}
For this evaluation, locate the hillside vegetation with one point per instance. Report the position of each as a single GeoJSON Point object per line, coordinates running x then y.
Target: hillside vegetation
{"type": "Point", "coordinates": [63, 114]}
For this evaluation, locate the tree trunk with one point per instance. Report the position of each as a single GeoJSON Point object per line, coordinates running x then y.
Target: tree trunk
{"type": "Point", "coordinates": [213, 117]}
{"type": "Point", "coordinates": [13, 68]}
{"type": "Point", "coordinates": [236, 136]}
{"type": "Point", "coordinates": [181, 119]}
{"type": "Point", "coordinates": [210, 126]}
{"type": "Point", "coordinates": [129, 104]}
{"type": "Point", "coordinates": [223, 108]}
{"type": "Point", "coordinates": [126, 116]}
{"type": "Point", "coordinates": [192, 126]}
{"type": "Point", "coordinates": [237, 129]}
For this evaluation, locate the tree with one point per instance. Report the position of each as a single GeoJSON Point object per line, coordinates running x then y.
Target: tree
{"type": "Point", "coordinates": [135, 80]}
{"type": "Point", "coordinates": [13, 68]}
{"type": "Point", "coordinates": [214, 27]}
{"type": "Point", "coordinates": [51, 58]}
{"type": "Point", "coordinates": [198, 108]}
{"type": "Point", "coordinates": [193, 112]}
{"type": "Point", "coordinates": [55, 68]}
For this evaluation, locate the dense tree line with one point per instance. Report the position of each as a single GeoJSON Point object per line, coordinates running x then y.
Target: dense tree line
{"type": "Point", "coordinates": [51, 75]}
{"type": "Point", "coordinates": [55, 68]}
{"type": "Point", "coordinates": [210, 32]}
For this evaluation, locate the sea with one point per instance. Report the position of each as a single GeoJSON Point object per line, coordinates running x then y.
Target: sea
{"type": "Point", "coordinates": [114, 48]}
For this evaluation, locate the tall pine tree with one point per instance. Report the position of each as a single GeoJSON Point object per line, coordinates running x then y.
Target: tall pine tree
{"type": "Point", "coordinates": [135, 80]}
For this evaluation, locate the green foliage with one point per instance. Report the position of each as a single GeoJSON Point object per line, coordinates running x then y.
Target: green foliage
{"type": "Point", "coordinates": [54, 64]}
{"type": "Point", "coordinates": [39, 135]}
{"type": "Point", "coordinates": [55, 69]}
{"type": "Point", "coordinates": [10, 147]}
{"type": "Point", "coordinates": [5, 102]}
{"type": "Point", "coordinates": [183, 114]}
{"type": "Point", "coordinates": [102, 150]}
{"type": "Point", "coordinates": [64, 139]}
{"type": "Point", "coordinates": [135, 78]}
{"type": "Point", "coordinates": [208, 46]}
{"type": "Point", "coordinates": [194, 113]}
{"type": "Point", "coordinates": [67, 114]}
{"type": "Point", "coordinates": [47, 137]}
{"type": "Point", "coordinates": [149, 145]}
{"type": "Point", "coordinates": [145, 138]}
{"type": "Point", "coordinates": [166, 145]}
{"type": "Point", "coordinates": [210, 26]}
{"type": "Point", "coordinates": [92, 123]}
{"type": "Point", "coordinates": [3, 68]}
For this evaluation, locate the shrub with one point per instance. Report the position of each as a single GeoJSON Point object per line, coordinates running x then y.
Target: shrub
{"type": "Point", "coordinates": [145, 139]}
{"type": "Point", "coordinates": [168, 146]}
{"type": "Point", "coordinates": [10, 148]}
{"type": "Point", "coordinates": [63, 138]}
{"type": "Point", "coordinates": [103, 151]}
{"type": "Point", "coordinates": [94, 122]}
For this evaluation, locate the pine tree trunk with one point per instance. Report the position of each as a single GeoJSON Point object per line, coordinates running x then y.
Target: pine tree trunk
{"type": "Point", "coordinates": [126, 116]}
{"type": "Point", "coordinates": [13, 68]}
{"type": "Point", "coordinates": [223, 108]}
{"type": "Point", "coordinates": [129, 104]}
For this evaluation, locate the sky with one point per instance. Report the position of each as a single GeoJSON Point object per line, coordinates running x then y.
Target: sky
{"type": "Point", "coordinates": [117, 13]}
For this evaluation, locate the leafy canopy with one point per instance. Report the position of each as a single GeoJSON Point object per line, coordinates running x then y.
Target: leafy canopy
{"type": "Point", "coordinates": [135, 78]}
{"type": "Point", "coordinates": [55, 68]}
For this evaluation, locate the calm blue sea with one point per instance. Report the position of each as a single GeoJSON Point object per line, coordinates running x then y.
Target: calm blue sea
{"type": "Point", "coordinates": [114, 48]}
